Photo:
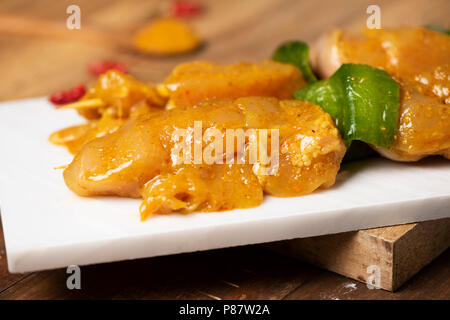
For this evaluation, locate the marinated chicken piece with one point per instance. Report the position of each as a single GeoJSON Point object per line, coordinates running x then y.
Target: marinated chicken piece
{"type": "Point", "coordinates": [142, 158]}
{"type": "Point", "coordinates": [118, 94]}
{"type": "Point", "coordinates": [115, 98]}
{"type": "Point", "coordinates": [417, 58]}
{"type": "Point", "coordinates": [424, 128]}
{"type": "Point", "coordinates": [192, 82]}
{"type": "Point", "coordinates": [75, 137]}
{"type": "Point", "coordinates": [202, 188]}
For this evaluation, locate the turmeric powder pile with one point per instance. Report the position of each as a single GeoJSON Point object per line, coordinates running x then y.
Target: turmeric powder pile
{"type": "Point", "coordinates": [166, 36]}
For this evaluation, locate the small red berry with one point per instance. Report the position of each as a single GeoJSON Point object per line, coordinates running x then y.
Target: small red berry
{"type": "Point", "coordinates": [185, 9]}
{"type": "Point", "coordinates": [68, 96]}
{"type": "Point", "coordinates": [100, 67]}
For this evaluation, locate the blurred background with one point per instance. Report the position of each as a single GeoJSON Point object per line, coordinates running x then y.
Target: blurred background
{"type": "Point", "coordinates": [36, 63]}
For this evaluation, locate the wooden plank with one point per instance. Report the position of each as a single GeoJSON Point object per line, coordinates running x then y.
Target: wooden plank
{"type": "Point", "coordinates": [6, 279]}
{"type": "Point", "coordinates": [247, 272]}
{"type": "Point", "coordinates": [399, 251]}
{"type": "Point", "coordinates": [433, 282]}
{"type": "Point", "coordinates": [418, 247]}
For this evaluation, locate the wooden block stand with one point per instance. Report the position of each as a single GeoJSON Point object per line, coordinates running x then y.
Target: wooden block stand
{"type": "Point", "coordinates": [399, 252]}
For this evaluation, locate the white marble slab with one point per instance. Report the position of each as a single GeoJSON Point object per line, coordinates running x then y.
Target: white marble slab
{"type": "Point", "coordinates": [47, 226]}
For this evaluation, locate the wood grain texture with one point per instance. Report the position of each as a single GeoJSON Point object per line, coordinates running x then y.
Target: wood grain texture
{"type": "Point", "coordinates": [233, 30]}
{"type": "Point", "coordinates": [6, 279]}
{"type": "Point", "coordinates": [398, 251]}
{"type": "Point", "coordinates": [417, 247]}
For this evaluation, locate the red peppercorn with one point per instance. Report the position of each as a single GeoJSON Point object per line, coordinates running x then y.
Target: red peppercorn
{"type": "Point", "coordinates": [185, 9]}
{"type": "Point", "coordinates": [100, 67]}
{"type": "Point", "coordinates": [68, 96]}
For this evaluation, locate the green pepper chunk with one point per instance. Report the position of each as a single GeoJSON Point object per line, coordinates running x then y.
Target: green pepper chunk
{"type": "Point", "coordinates": [296, 53]}
{"type": "Point", "coordinates": [363, 101]}
{"type": "Point", "coordinates": [437, 28]}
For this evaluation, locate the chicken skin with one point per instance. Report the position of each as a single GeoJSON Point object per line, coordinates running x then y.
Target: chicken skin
{"type": "Point", "coordinates": [417, 58]}
{"type": "Point", "coordinates": [142, 159]}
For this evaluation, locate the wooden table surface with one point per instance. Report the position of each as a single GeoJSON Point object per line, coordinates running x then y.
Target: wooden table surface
{"type": "Point", "coordinates": [234, 30]}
